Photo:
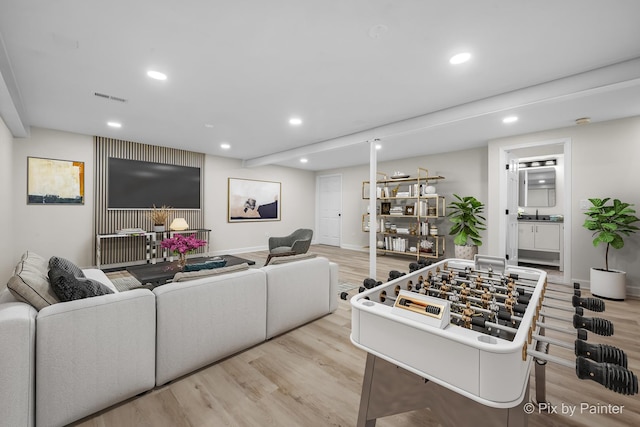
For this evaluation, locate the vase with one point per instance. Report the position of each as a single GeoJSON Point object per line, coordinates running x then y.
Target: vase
{"type": "Point", "coordinates": [182, 261]}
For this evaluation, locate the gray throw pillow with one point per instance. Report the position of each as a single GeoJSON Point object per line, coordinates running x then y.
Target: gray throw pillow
{"type": "Point", "coordinates": [66, 265]}
{"type": "Point", "coordinates": [67, 286]}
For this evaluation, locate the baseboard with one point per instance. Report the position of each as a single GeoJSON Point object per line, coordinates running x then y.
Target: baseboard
{"type": "Point", "coordinates": [354, 248]}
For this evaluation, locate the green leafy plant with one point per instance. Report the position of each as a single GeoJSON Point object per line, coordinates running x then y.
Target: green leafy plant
{"type": "Point", "coordinates": [609, 223]}
{"type": "Point", "coordinates": [466, 215]}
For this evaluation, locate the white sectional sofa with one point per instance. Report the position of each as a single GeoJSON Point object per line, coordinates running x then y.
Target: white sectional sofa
{"type": "Point", "coordinates": [71, 359]}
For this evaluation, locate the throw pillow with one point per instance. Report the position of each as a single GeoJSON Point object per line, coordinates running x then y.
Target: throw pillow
{"type": "Point", "coordinates": [192, 275]}
{"type": "Point", "coordinates": [292, 258]}
{"type": "Point", "coordinates": [68, 286]}
{"type": "Point", "coordinates": [30, 283]}
{"type": "Point", "coordinates": [66, 265]}
{"type": "Point", "coordinates": [207, 265]}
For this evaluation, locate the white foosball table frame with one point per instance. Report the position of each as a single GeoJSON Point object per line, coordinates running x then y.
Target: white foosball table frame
{"type": "Point", "coordinates": [467, 376]}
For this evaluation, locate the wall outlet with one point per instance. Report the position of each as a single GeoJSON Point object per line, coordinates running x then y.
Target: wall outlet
{"type": "Point", "coordinates": [585, 204]}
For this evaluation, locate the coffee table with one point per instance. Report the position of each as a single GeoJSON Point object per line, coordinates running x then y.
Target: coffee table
{"type": "Point", "coordinates": [163, 272]}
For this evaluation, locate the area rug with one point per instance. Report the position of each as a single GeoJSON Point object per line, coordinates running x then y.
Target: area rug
{"type": "Point", "coordinates": [126, 283]}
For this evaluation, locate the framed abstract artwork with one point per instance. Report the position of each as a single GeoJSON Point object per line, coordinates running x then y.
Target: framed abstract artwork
{"type": "Point", "coordinates": [252, 200]}
{"type": "Point", "coordinates": [54, 182]}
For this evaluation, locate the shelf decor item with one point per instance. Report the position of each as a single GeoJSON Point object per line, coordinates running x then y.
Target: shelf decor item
{"type": "Point", "coordinates": [159, 217]}
{"type": "Point", "coordinates": [466, 215]}
{"type": "Point", "coordinates": [179, 224]}
{"type": "Point", "coordinates": [181, 245]}
{"type": "Point", "coordinates": [609, 223]}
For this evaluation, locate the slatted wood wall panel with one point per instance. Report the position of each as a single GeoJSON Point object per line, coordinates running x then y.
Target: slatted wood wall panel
{"type": "Point", "coordinates": [127, 250]}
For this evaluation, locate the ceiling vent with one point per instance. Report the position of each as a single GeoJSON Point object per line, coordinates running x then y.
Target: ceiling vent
{"type": "Point", "coordinates": [113, 98]}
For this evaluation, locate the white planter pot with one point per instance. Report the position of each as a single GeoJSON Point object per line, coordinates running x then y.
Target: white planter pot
{"type": "Point", "coordinates": [610, 284]}
{"type": "Point", "coordinates": [466, 251]}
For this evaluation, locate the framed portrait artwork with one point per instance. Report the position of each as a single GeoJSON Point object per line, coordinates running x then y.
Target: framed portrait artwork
{"type": "Point", "coordinates": [54, 182]}
{"type": "Point", "coordinates": [252, 200]}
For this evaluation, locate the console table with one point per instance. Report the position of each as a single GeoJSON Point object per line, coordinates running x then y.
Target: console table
{"type": "Point", "coordinates": [153, 251]}
{"type": "Point", "coordinates": [150, 240]}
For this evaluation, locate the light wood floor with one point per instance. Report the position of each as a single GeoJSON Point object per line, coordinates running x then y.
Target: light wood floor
{"type": "Point", "coordinates": [312, 376]}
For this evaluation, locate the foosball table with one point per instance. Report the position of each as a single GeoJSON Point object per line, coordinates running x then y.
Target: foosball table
{"type": "Point", "coordinates": [465, 333]}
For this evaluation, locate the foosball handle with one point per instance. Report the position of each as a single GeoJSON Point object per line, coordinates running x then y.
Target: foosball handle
{"type": "Point", "coordinates": [592, 304]}
{"type": "Point", "coordinates": [614, 377]}
{"type": "Point", "coordinates": [601, 353]}
{"type": "Point", "coordinates": [596, 325]}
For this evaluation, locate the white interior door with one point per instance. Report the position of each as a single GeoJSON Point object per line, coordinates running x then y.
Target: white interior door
{"type": "Point", "coordinates": [329, 209]}
{"type": "Point", "coordinates": [511, 169]}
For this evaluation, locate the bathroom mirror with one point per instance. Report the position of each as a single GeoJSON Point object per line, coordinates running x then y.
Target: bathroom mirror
{"type": "Point", "coordinates": [537, 187]}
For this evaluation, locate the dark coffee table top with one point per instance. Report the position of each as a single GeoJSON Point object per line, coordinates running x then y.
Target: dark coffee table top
{"type": "Point", "coordinates": [163, 272]}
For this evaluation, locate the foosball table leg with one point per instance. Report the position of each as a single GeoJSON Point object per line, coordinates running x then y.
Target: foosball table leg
{"type": "Point", "coordinates": [388, 389]}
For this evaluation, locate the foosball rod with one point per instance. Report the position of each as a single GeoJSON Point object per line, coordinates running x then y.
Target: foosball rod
{"type": "Point", "coordinates": [614, 377]}
{"type": "Point", "coordinates": [579, 333]}
{"type": "Point", "coordinates": [595, 352]}
{"type": "Point", "coordinates": [596, 325]}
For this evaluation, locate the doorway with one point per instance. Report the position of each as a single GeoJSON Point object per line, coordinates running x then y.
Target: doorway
{"type": "Point", "coordinates": [541, 236]}
{"type": "Point", "coordinates": [329, 209]}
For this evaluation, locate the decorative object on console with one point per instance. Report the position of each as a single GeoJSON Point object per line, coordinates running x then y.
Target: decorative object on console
{"type": "Point", "coordinates": [609, 223]}
{"type": "Point", "coordinates": [465, 214]}
{"type": "Point", "coordinates": [159, 217]}
{"type": "Point", "coordinates": [54, 182]}
{"type": "Point", "coordinates": [182, 245]}
{"type": "Point", "coordinates": [179, 224]}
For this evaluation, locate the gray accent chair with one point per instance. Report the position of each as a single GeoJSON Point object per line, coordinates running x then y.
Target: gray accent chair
{"type": "Point", "coordinates": [295, 243]}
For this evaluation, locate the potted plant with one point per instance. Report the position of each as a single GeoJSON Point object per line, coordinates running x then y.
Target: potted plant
{"type": "Point", "coordinates": [159, 217]}
{"type": "Point", "coordinates": [609, 223]}
{"type": "Point", "coordinates": [466, 215]}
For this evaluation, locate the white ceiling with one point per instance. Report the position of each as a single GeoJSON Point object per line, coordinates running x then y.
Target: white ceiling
{"type": "Point", "coordinates": [353, 70]}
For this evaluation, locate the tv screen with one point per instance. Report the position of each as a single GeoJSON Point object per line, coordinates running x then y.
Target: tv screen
{"type": "Point", "coordinates": [135, 184]}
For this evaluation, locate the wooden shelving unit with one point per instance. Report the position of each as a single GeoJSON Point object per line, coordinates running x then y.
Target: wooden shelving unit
{"type": "Point", "coordinates": [408, 213]}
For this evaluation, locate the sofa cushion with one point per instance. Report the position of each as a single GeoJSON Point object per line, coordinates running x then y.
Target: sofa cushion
{"type": "Point", "coordinates": [30, 282]}
{"type": "Point", "coordinates": [192, 275]}
{"type": "Point", "coordinates": [292, 258]}
{"type": "Point", "coordinates": [69, 282]}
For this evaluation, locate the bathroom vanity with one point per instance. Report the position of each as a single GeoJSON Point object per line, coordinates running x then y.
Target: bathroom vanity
{"type": "Point", "coordinates": [540, 241]}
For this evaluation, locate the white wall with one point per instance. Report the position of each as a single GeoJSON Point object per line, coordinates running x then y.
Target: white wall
{"type": "Point", "coordinates": [8, 260]}
{"type": "Point", "coordinates": [297, 205]}
{"type": "Point", "coordinates": [61, 230]}
{"type": "Point", "coordinates": [67, 231]}
{"type": "Point", "coordinates": [604, 163]}
{"type": "Point", "coordinates": [465, 174]}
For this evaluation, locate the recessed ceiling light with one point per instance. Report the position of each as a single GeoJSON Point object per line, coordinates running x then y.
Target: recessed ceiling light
{"type": "Point", "coordinates": [460, 58]}
{"type": "Point", "coordinates": [303, 160]}
{"type": "Point", "coordinates": [378, 146]}
{"type": "Point", "coordinates": [510, 119]}
{"type": "Point", "coordinates": [225, 145]}
{"type": "Point", "coordinates": [208, 125]}
{"type": "Point", "coordinates": [295, 121]}
{"type": "Point", "coordinates": [541, 181]}
{"type": "Point", "coordinates": [114, 124]}
{"type": "Point", "coordinates": [156, 75]}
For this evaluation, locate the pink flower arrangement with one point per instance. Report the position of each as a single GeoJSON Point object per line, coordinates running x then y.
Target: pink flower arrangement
{"type": "Point", "coordinates": [182, 244]}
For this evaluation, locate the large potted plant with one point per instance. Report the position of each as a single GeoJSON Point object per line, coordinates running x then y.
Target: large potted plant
{"type": "Point", "coordinates": [609, 223]}
{"type": "Point", "coordinates": [466, 215]}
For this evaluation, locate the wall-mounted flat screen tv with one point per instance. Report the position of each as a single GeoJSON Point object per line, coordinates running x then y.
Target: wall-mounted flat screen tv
{"type": "Point", "coordinates": [135, 184]}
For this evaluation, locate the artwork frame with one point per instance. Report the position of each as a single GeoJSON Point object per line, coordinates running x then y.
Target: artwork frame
{"type": "Point", "coordinates": [385, 208]}
{"type": "Point", "coordinates": [408, 210]}
{"type": "Point", "coordinates": [55, 181]}
{"type": "Point", "coordinates": [251, 200]}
